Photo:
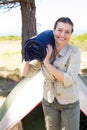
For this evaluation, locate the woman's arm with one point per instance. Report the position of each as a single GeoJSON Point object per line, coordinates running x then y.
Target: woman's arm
{"type": "Point", "coordinates": [71, 74]}
{"type": "Point", "coordinates": [28, 67]}
{"type": "Point", "coordinates": [59, 75]}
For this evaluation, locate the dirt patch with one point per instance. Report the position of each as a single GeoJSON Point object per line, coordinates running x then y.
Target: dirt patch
{"type": "Point", "coordinates": [10, 54]}
{"type": "Point", "coordinates": [6, 85]}
{"type": "Point", "coordinates": [8, 80]}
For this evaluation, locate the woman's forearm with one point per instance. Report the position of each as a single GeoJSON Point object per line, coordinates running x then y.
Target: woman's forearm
{"type": "Point", "coordinates": [57, 73]}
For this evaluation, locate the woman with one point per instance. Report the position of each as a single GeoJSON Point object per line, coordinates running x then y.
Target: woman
{"type": "Point", "coordinates": [60, 90]}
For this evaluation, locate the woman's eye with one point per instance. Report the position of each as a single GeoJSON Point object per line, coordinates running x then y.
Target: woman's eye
{"type": "Point", "coordinates": [59, 30]}
{"type": "Point", "coordinates": [67, 32]}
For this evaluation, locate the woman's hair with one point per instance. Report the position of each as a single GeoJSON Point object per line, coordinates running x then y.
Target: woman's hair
{"type": "Point", "coordinates": [64, 20]}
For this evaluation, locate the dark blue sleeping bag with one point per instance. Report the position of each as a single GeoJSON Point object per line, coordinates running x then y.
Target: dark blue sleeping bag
{"type": "Point", "coordinates": [35, 48]}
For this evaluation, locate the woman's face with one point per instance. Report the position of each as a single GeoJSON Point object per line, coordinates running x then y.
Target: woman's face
{"type": "Point", "coordinates": [62, 33]}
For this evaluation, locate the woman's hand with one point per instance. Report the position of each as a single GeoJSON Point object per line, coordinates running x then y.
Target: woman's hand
{"type": "Point", "coordinates": [58, 74]}
{"type": "Point", "coordinates": [49, 50]}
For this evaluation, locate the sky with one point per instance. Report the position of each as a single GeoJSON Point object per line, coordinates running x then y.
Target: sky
{"type": "Point", "coordinates": [47, 12]}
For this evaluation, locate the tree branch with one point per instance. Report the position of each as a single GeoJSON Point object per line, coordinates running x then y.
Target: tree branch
{"type": "Point", "coordinates": [8, 1]}
{"type": "Point", "coordinates": [12, 1]}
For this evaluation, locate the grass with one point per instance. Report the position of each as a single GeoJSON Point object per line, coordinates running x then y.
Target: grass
{"type": "Point", "coordinates": [11, 38]}
{"type": "Point", "coordinates": [81, 38]}
{"type": "Point", "coordinates": [80, 41]}
{"type": "Point", "coordinates": [81, 45]}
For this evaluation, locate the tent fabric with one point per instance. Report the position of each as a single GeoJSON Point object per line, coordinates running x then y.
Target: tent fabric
{"type": "Point", "coordinates": [35, 48]}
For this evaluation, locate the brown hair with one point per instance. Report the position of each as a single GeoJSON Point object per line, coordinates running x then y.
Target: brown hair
{"type": "Point", "coordinates": [64, 20]}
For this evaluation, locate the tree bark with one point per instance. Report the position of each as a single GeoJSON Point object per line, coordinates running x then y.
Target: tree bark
{"type": "Point", "coordinates": [28, 10]}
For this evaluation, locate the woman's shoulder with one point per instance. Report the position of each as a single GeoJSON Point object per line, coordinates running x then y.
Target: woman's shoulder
{"type": "Point", "coordinates": [74, 48]}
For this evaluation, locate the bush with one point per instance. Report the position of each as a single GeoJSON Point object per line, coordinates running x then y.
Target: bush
{"type": "Point", "coordinates": [80, 41]}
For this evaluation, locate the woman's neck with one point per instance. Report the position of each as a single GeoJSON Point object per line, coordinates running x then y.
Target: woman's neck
{"type": "Point", "coordinates": [58, 48]}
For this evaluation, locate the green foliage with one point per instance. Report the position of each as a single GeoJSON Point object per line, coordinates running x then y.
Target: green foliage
{"type": "Point", "coordinates": [84, 70]}
{"type": "Point", "coordinates": [80, 41]}
{"type": "Point", "coordinates": [11, 53]}
{"type": "Point", "coordinates": [80, 38]}
{"type": "Point", "coordinates": [14, 38]}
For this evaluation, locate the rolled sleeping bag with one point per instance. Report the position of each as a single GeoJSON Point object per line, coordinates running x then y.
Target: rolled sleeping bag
{"type": "Point", "coordinates": [35, 48]}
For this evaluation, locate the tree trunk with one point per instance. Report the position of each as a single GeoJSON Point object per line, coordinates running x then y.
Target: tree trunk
{"type": "Point", "coordinates": [28, 10]}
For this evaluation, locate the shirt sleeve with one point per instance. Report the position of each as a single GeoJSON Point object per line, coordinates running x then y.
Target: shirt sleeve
{"type": "Point", "coordinates": [73, 68]}
{"type": "Point", "coordinates": [35, 65]}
